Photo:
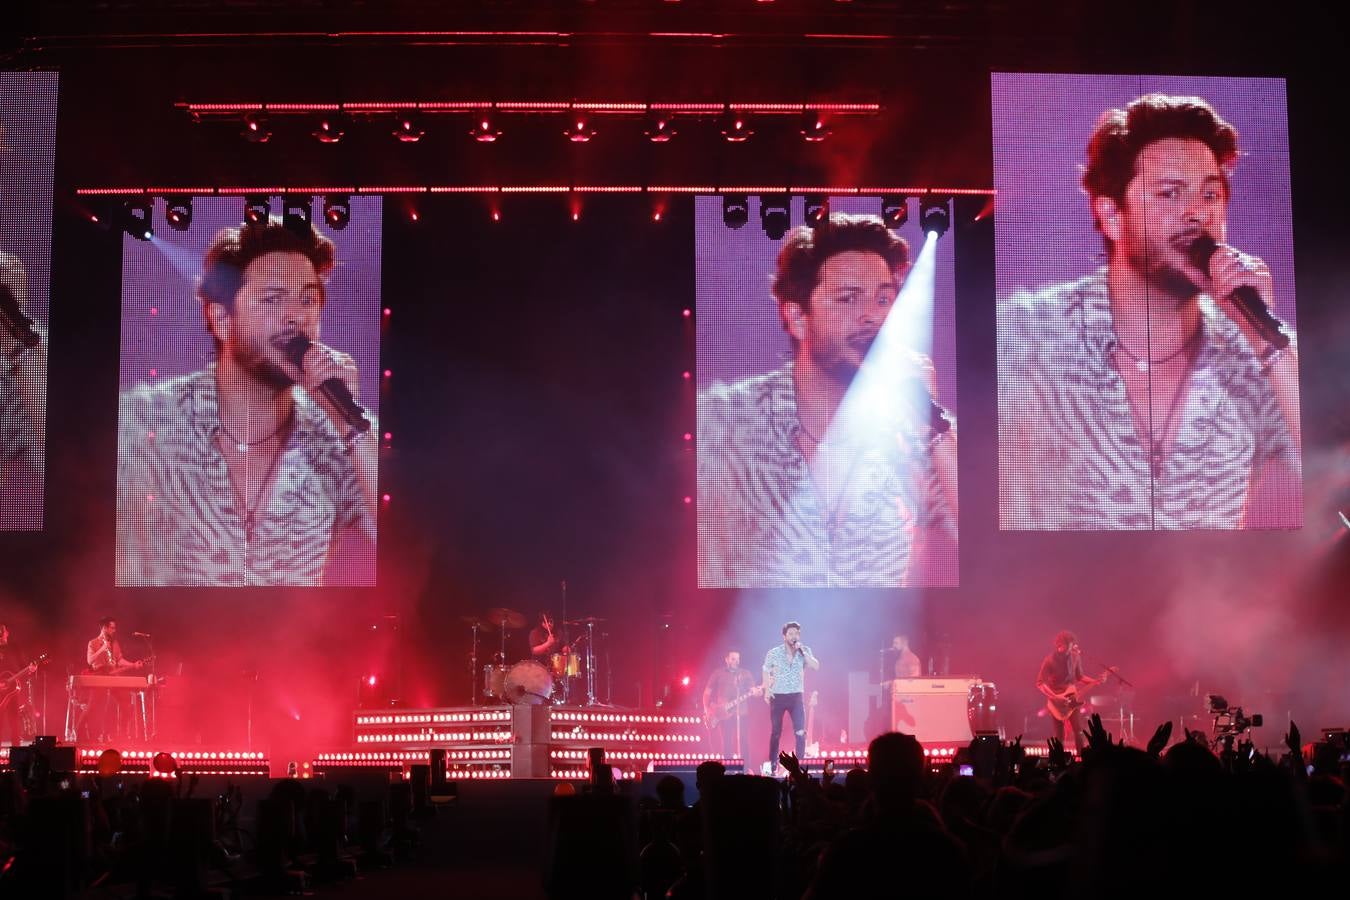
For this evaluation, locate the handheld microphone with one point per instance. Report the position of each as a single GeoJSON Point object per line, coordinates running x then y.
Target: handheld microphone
{"type": "Point", "coordinates": [1245, 298]}
{"type": "Point", "coordinates": [917, 392]}
{"type": "Point", "coordinates": [332, 388]}
{"type": "Point", "coordinates": [20, 326]}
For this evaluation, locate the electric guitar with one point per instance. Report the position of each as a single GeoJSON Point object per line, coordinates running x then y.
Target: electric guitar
{"type": "Point", "coordinates": [717, 713]}
{"type": "Point", "coordinates": [1068, 701]}
{"type": "Point", "coordinates": [11, 683]}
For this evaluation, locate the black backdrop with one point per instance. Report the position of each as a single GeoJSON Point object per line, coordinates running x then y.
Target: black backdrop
{"type": "Point", "coordinates": [537, 405]}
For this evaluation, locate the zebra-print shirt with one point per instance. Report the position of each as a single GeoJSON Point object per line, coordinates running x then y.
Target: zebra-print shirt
{"type": "Point", "coordinates": [178, 517]}
{"type": "Point", "coordinates": [761, 521]}
{"type": "Point", "coordinates": [1070, 457]}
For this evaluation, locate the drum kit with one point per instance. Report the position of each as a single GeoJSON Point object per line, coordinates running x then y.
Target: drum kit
{"type": "Point", "coordinates": [555, 678]}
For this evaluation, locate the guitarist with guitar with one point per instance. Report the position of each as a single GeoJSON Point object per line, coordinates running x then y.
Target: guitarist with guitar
{"type": "Point", "coordinates": [16, 713]}
{"type": "Point", "coordinates": [724, 707]}
{"type": "Point", "coordinates": [1061, 679]}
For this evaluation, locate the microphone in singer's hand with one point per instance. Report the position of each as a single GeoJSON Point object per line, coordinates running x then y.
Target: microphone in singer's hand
{"type": "Point", "coordinates": [332, 388]}
{"type": "Point", "coordinates": [20, 326]}
{"type": "Point", "coordinates": [922, 402]}
{"type": "Point", "coordinates": [1245, 298]}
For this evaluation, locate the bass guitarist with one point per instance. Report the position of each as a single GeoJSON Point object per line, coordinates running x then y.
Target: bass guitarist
{"type": "Point", "coordinates": [1061, 678]}
{"type": "Point", "coordinates": [724, 707]}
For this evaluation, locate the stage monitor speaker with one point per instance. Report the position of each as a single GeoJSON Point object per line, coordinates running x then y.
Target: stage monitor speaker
{"type": "Point", "coordinates": [933, 709]}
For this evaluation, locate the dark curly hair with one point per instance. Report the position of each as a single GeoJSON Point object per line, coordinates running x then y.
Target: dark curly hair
{"type": "Point", "coordinates": [1121, 134]}
{"type": "Point", "coordinates": [805, 250]}
{"type": "Point", "coordinates": [234, 248]}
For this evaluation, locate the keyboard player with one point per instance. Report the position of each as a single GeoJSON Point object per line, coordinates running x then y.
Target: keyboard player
{"type": "Point", "coordinates": [110, 715]}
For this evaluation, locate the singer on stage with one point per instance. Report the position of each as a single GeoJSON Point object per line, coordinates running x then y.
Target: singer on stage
{"type": "Point", "coordinates": [783, 685]}
{"type": "Point", "coordinates": [1141, 396]}
{"type": "Point", "coordinates": [785, 499]}
{"type": "Point", "coordinates": [23, 399]}
{"type": "Point", "coordinates": [246, 472]}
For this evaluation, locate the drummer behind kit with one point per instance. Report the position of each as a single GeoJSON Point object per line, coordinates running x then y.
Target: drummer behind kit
{"type": "Point", "coordinates": [550, 679]}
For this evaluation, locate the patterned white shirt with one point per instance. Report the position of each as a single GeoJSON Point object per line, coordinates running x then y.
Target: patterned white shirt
{"type": "Point", "coordinates": [786, 670]}
{"type": "Point", "coordinates": [179, 520]}
{"type": "Point", "coordinates": [763, 523]}
{"type": "Point", "coordinates": [1070, 456]}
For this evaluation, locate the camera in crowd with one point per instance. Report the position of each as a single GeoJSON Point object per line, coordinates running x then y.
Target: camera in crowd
{"type": "Point", "coordinates": [1230, 720]}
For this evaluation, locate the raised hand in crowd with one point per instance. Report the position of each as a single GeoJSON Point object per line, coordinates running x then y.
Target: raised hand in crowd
{"type": "Point", "coordinates": [1058, 758]}
{"type": "Point", "coordinates": [1098, 738]}
{"type": "Point", "coordinates": [1161, 736]}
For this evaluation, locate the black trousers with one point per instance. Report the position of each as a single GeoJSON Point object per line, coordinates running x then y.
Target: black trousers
{"type": "Point", "coordinates": [791, 704]}
{"type": "Point", "coordinates": [735, 730]}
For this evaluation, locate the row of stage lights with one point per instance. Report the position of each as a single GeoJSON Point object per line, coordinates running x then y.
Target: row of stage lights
{"type": "Point", "coordinates": [407, 122]}
{"type": "Point", "coordinates": [774, 212]}
{"type": "Point", "coordinates": [297, 212]}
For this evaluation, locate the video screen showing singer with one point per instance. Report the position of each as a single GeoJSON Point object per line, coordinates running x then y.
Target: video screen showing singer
{"type": "Point", "coordinates": [1159, 391]}
{"type": "Point", "coordinates": [250, 471]}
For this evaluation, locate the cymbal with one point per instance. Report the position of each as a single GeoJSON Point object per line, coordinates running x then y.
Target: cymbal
{"type": "Point", "coordinates": [506, 618]}
{"type": "Point", "coordinates": [483, 624]}
{"type": "Point", "coordinates": [589, 620]}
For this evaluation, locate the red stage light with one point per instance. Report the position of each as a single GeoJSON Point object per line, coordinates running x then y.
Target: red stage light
{"type": "Point", "coordinates": [388, 311]}
{"type": "Point", "coordinates": [687, 375]}
{"type": "Point", "coordinates": [388, 373]}
{"type": "Point", "coordinates": [684, 682]}
{"type": "Point", "coordinates": [386, 498]}
{"type": "Point", "coordinates": [388, 435]}
{"type": "Point", "coordinates": [688, 436]}
{"type": "Point", "coordinates": [656, 216]}
{"type": "Point", "coordinates": [413, 215]}
{"type": "Point", "coordinates": [688, 500]}
{"type": "Point", "coordinates": [370, 681]}
{"type": "Point", "coordinates": [687, 312]}
{"type": "Point", "coordinates": [496, 216]}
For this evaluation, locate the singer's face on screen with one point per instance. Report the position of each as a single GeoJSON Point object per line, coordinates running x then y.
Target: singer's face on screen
{"type": "Point", "coordinates": [733, 660]}
{"type": "Point", "coordinates": [856, 291]}
{"type": "Point", "coordinates": [792, 634]}
{"type": "Point", "coordinates": [1176, 195]}
{"type": "Point", "coordinates": [281, 296]}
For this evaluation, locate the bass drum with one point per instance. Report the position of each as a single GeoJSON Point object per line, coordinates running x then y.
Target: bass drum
{"type": "Point", "coordinates": [982, 707]}
{"type": "Point", "coordinates": [527, 682]}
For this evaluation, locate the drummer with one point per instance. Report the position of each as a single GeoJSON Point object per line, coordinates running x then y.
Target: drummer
{"type": "Point", "coordinates": [542, 639]}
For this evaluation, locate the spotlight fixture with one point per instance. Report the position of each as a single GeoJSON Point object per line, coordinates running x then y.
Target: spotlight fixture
{"type": "Point", "coordinates": [136, 218]}
{"type": "Point", "coordinates": [894, 210]}
{"type": "Point", "coordinates": [934, 215]}
{"type": "Point", "coordinates": [178, 212]}
{"type": "Point", "coordinates": [484, 130]}
{"type": "Point", "coordinates": [660, 127]}
{"type": "Point", "coordinates": [296, 214]}
{"type": "Point", "coordinates": [337, 211]}
{"type": "Point", "coordinates": [814, 129]}
{"type": "Point", "coordinates": [735, 127]}
{"type": "Point", "coordinates": [774, 215]}
{"type": "Point", "coordinates": [256, 130]}
{"type": "Point", "coordinates": [408, 129]}
{"type": "Point", "coordinates": [257, 208]}
{"type": "Point", "coordinates": [329, 129]}
{"type": "Point", "coordinates": [579, 130]}
{"type": "Point", "coordinates": [817, 210]}
{"type": "Point", "coordinates": [735, 210]}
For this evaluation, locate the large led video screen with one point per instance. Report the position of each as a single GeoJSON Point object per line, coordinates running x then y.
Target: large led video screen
{"type": "Point", "coordinates": [27, 156]}
{"type": "Point", "coordinates": [239, 462]}
{"type": "Point", "coordinates": [826, 377]}
{"type": "Point", "coordinates": [1147, 347]}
